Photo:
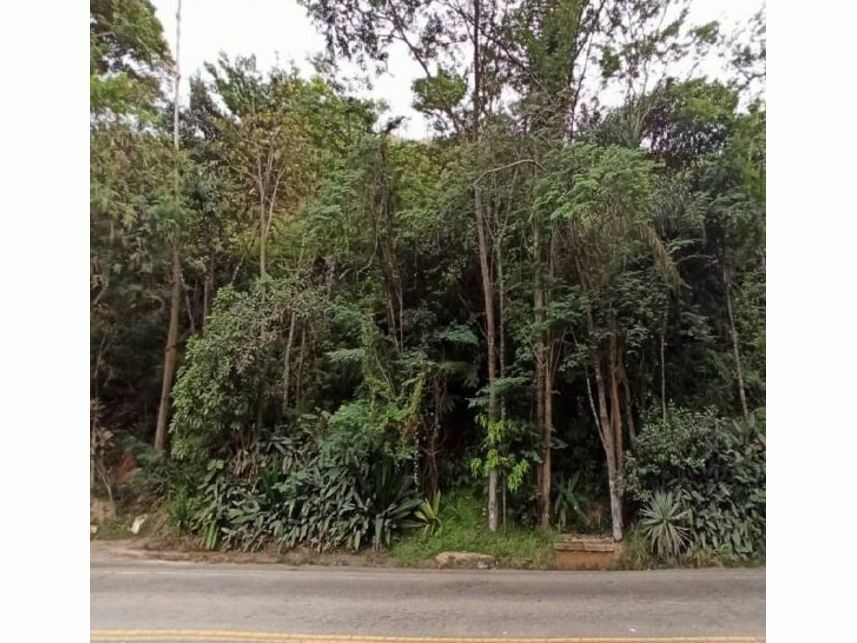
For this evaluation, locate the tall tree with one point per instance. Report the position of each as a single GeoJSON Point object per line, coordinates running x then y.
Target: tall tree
{"type": "Point", "coordinates": [171, 348]}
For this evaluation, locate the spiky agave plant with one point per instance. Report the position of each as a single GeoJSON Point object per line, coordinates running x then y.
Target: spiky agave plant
{"type": "Point", "coordinates": [429, 514]}
{"type": "Point", "coordinates": [662, 524]}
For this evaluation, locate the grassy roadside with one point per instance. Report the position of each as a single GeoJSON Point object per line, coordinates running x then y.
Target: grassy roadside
{"type": "Point", "coordinates": [464, 530]}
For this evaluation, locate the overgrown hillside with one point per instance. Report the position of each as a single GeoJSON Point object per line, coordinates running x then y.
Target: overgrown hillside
{"type": "Point", "coordinates": [305, 327]}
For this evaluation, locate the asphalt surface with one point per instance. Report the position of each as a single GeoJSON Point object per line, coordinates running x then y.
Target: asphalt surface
{"type": "Point", "coordinates": [131, 599]}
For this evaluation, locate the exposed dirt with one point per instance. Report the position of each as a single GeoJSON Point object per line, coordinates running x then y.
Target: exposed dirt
{"type": "Point", "coordinates": [174, 549]}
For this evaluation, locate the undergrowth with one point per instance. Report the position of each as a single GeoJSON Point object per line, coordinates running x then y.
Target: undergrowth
{"type": "Point", "coordinates": [464, 529]}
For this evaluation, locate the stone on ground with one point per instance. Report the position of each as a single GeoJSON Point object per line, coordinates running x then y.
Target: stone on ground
{"type": "Point", "coordinates": [463, 560]}
{"type": "Point", "coordinates": [139, 523]}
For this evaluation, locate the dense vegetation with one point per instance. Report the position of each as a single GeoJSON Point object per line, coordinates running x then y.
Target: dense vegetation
{"type": "Point", "coordinates": [306, 329]}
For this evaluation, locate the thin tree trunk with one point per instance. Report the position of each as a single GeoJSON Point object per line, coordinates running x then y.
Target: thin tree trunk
{"type": "Point", "coordinates": [170, 353]}
{"type": "Point", "coordinates": [301, 355]}
{"type": "Point", "coordinates": [263, 241]}
{"type": "Point", "coordinates": [484, 254]}
{"type": "Point", "coordinates": [542, 367]}
{"type": "Point", "coordinates": [490, 333]}
{"type": "Point", "coordinates": [191, 320]}
{"type": "Point", "coordinates": [177, 77]}
{"type": "Point", "coordinates": [433, 438]}
{"type": "Point", "coordinates": [547, 437]}
{"type": "Point", "coordinates": [171, 348]}
{"type": "Point", "coordinates": [733, 331]}
{"type": "Point", "coordinates": [502, 352]}
{"type": "Point", "coordinates": [501, 302]}
{"type": "Point", "coordinates": [287, 361]}
{"type": "Point", "coordinates": [208, 291]}
{"type": "Point", "coordinates": [664, 367]}
{"type": "Point", "coordinates": [607, 435]}
{"type": "Point", "coordinates": [504, 504]}
{"type": "Point", "coordinates": [629, 409]}
{"type": "Point", "coordinates": [663, 381]}
{"type": "Point", "coordinates": [615, 411]}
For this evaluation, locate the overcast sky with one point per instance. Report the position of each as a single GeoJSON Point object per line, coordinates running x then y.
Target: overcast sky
{"type": "Point", "coordinates": [280, 31]}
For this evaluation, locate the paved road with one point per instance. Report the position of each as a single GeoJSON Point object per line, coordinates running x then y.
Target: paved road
{"type": "Point", "coordinates": [135, 599]}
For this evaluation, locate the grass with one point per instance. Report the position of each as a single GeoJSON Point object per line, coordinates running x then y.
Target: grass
{"type": "Point", "coordinates": [464, 530]}
{"type": "Point", "coordinates": [113, 529]}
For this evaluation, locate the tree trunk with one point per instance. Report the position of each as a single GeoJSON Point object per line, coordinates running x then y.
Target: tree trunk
{"type": "Point", "coordinates": [484, 265]}
{"type": "Point", "coordinates": [171, 348]}
{"type": "Point", "coordinates": [544, 376]}
{"type": "Point", "coordinates": [615, 411]}
{"type": "Point", "coordinates": [541, 415]}
{"type": "Point", "coordinates": [208, 291]}
{"type": "Point", "coordinates": [263, 240]}
{"type": "Point", "coordinates": [177, 77]}
{"type": "Point", "coordinates": [629, 409]}
{"type": "Point", "coordinates": [546, 461]}
{"type": "Point", "coordinates": [663, 381]}
{"type": "Point", "coordinates": [490, 334]}
{"type": "Point", "coordinates": [733, 331]}
{"type": "Point", "coordinates": [607, 440]}
{"type": "Point", "coordinates": [287, 361]}
{"type": "Point", "coordinates": [170, 352]}
{"type": "Point", "coordinates": [301, 355]}
{"type": "Point", "coordinates": [431, 450]}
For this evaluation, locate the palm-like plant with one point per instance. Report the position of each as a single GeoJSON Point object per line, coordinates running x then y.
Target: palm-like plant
{"type": "Point", "coordinates": [429, 514]}
{"type": "Point", "coordinates": [662, 524]}
{"type": "Point", "coordinates": [569, 503]}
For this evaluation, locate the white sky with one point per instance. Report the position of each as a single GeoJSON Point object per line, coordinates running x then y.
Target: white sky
{"type": "Point", "coordinates": [279, 30]}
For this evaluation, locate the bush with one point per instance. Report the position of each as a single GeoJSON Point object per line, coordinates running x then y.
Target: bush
{"type": "Point", "coordinates": [337, 493]}
{"type": "Point", "coordinates": [154, 474]}
{"type": "Point", "coordinates": [715, 467]}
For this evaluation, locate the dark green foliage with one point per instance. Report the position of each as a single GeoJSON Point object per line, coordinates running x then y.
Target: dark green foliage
{"type": "Point", "coordinates": [714, 468]}
{"type": "Point", "coordinates": [155, 473]}
{"type": "Point", "coordinates": [336, 494]}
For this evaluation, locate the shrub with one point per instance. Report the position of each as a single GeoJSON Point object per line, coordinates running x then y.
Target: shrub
{"type": "Point", "coordinates": [569, 503]}
{"type": "Point", "coordinates": [429, 515]}
{"type": "Point", "coordinates": [715, 467]}
{"type": "Point", "coordinates": [336, 493]}
{"type": "Point", "coordinates": [662, 520]}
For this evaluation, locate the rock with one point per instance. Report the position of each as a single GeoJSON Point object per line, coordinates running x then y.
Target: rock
{"type": "Point", "coordinates": [139, 523]}
{"type": "Point", "coordinates": [463, 560]}
{"type": "Point", "coordinates": [100, 511]}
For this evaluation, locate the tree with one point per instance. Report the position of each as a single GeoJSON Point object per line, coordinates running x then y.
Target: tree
{"type": "Point", "coordinates": [606, 205]}
{"type": "Point", "coordinates": [171, 348]}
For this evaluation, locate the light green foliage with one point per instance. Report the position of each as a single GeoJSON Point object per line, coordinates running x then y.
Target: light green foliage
{"type": "Point", "coordinates": [662, 521]}
{"type": "Point", "coordinates": [128, 56]}
{"type": "Point", "coordinates": [500, 454]}
{"type": "Point", "coordinates": [441, 93]}
{"type": "Point", "coordinates": [464, 529]}
{"type": "Point", "coordinates": [429, 514]}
